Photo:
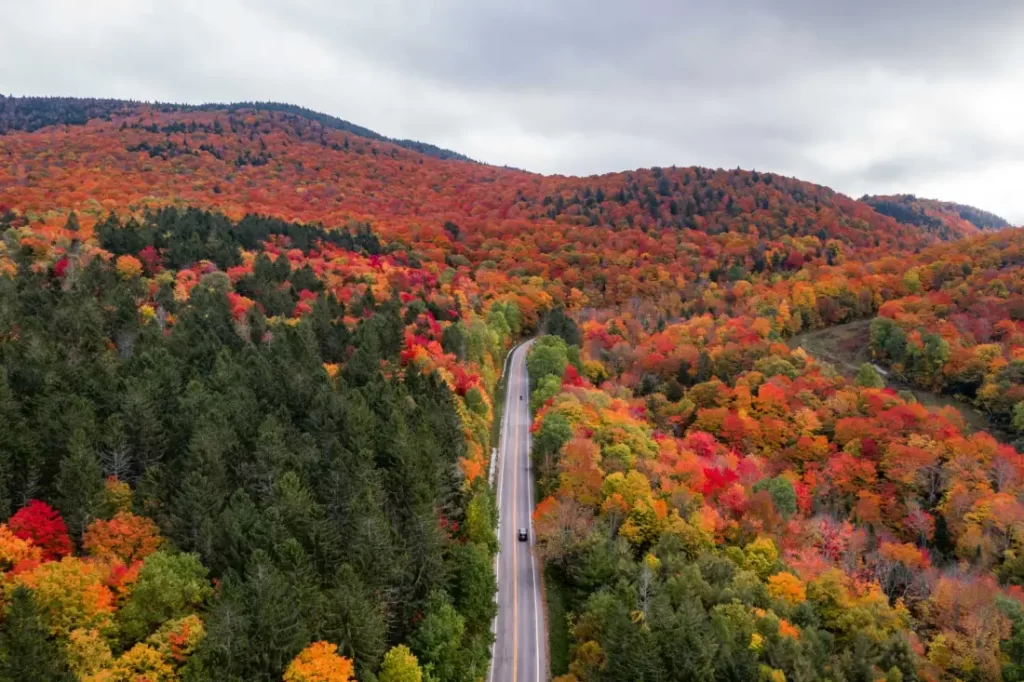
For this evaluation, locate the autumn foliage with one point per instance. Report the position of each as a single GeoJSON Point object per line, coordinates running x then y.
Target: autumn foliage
{"type": "Point", "coordinates": [84, 598]}
{"type": "Point", "coordinates": [319, 662]}
{"type": "Point", "coordinates": [718, 502]}
{"type": "Point", "coordinates": [126, 538]}
{"type": "Point", "coordinates": [40, 523]}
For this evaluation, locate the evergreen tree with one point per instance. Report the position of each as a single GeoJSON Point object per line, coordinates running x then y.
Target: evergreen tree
{"type": "Point", "coordinates": [561, 325]}
{"type": "Point", "coordinates": [27, 653]}
{"type": "Point", "coordinates": [354, 617]}
{"type": "Point", "coordinates": [19, 456]}
{"type": "Point", "coordinates": [474, 586]}
{"type": "Point", "coordinates": [453, 340]}
{"type": "Point", "coordinates": [80, 485]}
{"type": "Point", "coordinates": [261, 622]}
{"type": "Point", "coordinates": [72, 222]}
{"type": "Point", "coordinates": [322, 505]}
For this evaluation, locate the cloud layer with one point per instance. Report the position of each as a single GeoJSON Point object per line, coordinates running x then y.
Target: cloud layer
{"type": "Point", "coordinates": [880, 97]}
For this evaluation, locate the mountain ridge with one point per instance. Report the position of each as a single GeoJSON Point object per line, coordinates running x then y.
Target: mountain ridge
{"type": "Point", "coordinates": [82, 110]}
{"type": "Point", "coordinates": [28, 114]}
{"type": "Point", "coordinates": [936, 214]}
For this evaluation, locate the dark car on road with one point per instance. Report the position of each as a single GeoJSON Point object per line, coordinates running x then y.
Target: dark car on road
{"type": "Point", "coordinates": [522, 534]}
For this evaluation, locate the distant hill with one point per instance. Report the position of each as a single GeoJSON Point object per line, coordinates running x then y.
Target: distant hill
{"type": "Point", "coordinates": [29, 114]}
{"type": "Point", "coordinates": [945, 219]}
{"type": "Point", "coordinates": [716, 200]}
{"type": "Point", "coordinates": [664, 225]}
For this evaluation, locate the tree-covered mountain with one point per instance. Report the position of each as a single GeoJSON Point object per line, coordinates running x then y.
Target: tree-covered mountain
{"type": "Point", "coordinates": [32, 113]}
{"type": "Point", "coordinates": [699, 224]}
{"type": "Point", "coordinates": [943, 218]}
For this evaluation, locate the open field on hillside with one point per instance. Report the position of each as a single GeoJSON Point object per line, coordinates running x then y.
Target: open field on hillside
{"type": "Point", "coordinates": [847, 347]}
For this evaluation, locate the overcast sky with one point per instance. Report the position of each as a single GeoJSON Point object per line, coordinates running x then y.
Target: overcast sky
{"type": "Point", "coordinates": [877, 96]}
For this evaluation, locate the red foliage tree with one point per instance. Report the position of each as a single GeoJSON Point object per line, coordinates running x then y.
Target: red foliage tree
{"type": "Point", "coordinates": [40, 523]}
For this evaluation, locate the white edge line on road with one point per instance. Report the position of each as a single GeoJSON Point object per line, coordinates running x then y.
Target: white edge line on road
{"type": "Point", "coordinates": [504, 417]}
{"type": "Point", "coordinates": [533, 543]}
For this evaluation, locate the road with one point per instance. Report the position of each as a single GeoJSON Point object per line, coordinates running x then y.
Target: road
{"type": "Point", "coordinates": [520, 647]}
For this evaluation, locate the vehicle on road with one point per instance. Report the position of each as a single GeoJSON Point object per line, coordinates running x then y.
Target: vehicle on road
{"type": "Point", "coordinates": [522, 535]}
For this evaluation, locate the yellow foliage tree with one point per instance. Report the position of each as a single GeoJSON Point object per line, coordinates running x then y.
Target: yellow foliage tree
{"type": "Point", "coordinates": [787, 587]}
{"type": "Point", "coordinates": [73, 593]}
{"type": "Point", "coordinates": [141, 662]}
{"type": "Point", "coordinates": [14, 550]}
{"type": "Point", "coordinates": [760, 557]}
{"type": "Point", "coordinates": [400, 665]}
{"type": "Point", "coordinates": [88, 653]}
{"type": "Point", "coordinates": [129, 267]}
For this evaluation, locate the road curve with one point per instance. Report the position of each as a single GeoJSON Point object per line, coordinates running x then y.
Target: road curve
{"type": "Point", "coordinates": [520, 646]}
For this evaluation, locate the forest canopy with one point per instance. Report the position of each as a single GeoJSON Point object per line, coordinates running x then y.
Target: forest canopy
{"type": "Point", "coordinates": [250, 362]}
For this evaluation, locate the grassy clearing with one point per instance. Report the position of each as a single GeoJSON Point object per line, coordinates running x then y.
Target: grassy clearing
{"type": "Point", "coordinates": [558, 625]}
{"type": "Point", "coordinates": [847, 346]}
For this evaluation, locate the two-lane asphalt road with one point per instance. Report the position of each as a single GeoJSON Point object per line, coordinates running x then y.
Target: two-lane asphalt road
{"type": "Point", "coordinates": [520, 647]}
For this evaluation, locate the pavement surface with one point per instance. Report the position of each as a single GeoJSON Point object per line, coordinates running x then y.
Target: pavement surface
{"type": "Point", "coordinates": [520, 647]}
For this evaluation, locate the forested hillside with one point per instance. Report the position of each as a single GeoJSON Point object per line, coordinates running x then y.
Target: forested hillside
{"type": "Point", "coordinates": [32, 113]}
{"type": "Point", "coordinates": [945, 218]}
{"type": "Point", "coordinates": [249, 359]}
{"type": "Point", "coordinates": [323, 481]}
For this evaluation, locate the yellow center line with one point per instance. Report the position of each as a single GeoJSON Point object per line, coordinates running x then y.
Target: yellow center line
{"type": "Point", "coordinates": [515, 547]}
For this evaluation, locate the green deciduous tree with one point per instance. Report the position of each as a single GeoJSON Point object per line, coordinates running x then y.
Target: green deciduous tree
{"type": "Point", "coordinates": [868, 377]}
{"type": "Point", "coordinates": [554, 432]}
{"type": "Point", "coordinates": [547, 387]}
{"type": "Point", "coordinates": [548, 355]}
{"type": "Point", "coordinates": [400, 665]}
{"type": "Point", "coordinates": [782, 492]}
{"type": "Point", "coordinates": [437, 642]}
{"type": "Point", "coordinates": [169, 586]}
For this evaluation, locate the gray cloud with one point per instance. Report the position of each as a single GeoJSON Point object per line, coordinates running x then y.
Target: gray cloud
{"type": "Point", "coordinates": [534, 45]}
{"type": "Point", "coordinates": [872, 96]}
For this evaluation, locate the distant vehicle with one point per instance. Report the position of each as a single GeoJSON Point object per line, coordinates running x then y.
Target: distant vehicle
{"type": "Point", "coordinates": [520, 397]}
{"type": "Point", "coordinates": [522, 535]}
